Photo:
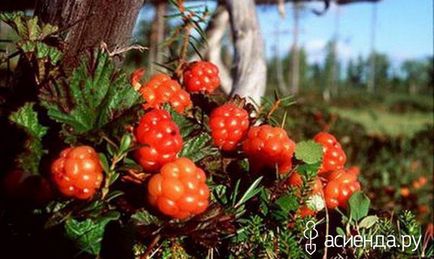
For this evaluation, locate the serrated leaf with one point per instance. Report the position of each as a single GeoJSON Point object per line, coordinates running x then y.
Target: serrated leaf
{"type": "Point", "coordinates": [198, 147]}
{"type": "Point", "coordinates": [48, 29]}
{"type": "Point", "coordinates": [99, 96]}
{"type": "Point", "coordinates": [359, 205]}
{"type": "Point", "coordinates": [88, 234]}
{"type": "Point", "coordinates": [368, 221]}
{"type": "Point", "coordinates": [33, 28]}
{"type": "Point", "coordinates": [309, 152]}
{"type": "Point", "coordinates": [27, 119]}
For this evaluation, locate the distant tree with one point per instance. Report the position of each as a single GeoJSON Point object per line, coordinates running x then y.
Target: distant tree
{"type": "Point", "coordinates": [331, 70]}
{"type": "Point", "coordinates": [382, 70]}
{"type": "Point", "coordinates": [356, 72]}
{"type": "Point", "coordinates": [417, 74]}
{"type": "Point", "coordinates": [303, 67]}
{"type": "Point", "coordinates": [315, 76]}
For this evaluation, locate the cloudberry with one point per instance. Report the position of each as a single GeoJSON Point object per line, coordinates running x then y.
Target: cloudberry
{"type": "Point", "coordinates": [341, 185]}
{"type": "Point", "coordinates": [77, 172]}
{"type": "Point", "coordinates": [334, 157]}
{"type": "Point", "coordinates": [229, 125]}
{"type": "Point", "coordinates": [163, 89]}
{"type": "Point", "coordinates": [179, 190]}
{"type": "Point", "coordinates": [268, 146]}
{"type": "Point", "coordinates": [201, 76]}
{"type": "Point", "coordinates": [159, 139]}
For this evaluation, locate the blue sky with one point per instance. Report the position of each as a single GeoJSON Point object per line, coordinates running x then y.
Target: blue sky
{"type": "Point", "coordinates": [404, 29]}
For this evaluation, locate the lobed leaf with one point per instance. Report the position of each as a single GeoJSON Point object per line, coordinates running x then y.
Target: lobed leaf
{"type": "Point", "coordinates": [27, 119]}
{"type": "Point", "coordinates": [88, 234]}
{"type": "Point", "coordinates": [309, 152]}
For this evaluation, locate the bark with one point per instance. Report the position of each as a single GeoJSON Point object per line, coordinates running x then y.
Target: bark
{"type": "Point", "coordinates": [215, 32]}
{"type": "Point", "coordinates": [157, 34]}
{"type": "Point", "coordinates": [249, 64]}
{"type": "Point", "coordinates": [89, 22]}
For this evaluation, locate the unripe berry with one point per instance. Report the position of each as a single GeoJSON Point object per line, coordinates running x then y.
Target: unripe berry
{"type": "Point", "coordinates": [268, 146]}
{"type": "Point", "coordinates": [159, 139]}
{"type": "Point", "coordinates": [229, 125]}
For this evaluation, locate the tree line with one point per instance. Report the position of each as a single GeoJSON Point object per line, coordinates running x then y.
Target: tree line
{"type": "Point", "coordinates": [332, 74]}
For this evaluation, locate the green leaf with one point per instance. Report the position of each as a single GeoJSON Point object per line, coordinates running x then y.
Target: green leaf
{"type": "Point", "coordinates": [287, 203]}
{"type": "Point", "coordinates": [33, 28]}
{"type": "Point", "coordinates": [125, 143]}
{"type": "Point", "coordinates": [99, 96]}
{"type": "Point", "coordinates": [143, 217]}
{"type": "Point", "coordinates": [359, 205]}
{"type": "Point", "coordinates": [198, 147]}
{"type": "Point", "coordinates": [88, 234]}
{"type": "Point", "coordinates": [27, 119]}
{"type": "Point", "coordinates": [368, 221]}
{"type": "Point", "coordinates": [340, 231]}
{"type": "Point", "coordinates": [251, 192]}
{"type": "Point", "coordinates": [308, 152]}
{"type": "Point", "coordinates": [185, 125]}
{"type": "Point", "coordinates": [309, 170]}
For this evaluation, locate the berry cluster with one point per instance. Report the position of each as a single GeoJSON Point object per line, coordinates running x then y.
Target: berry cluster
{"type": "Point", "coordinates": [163, 89]}
{"type": "Point", "coordinates": [229, 125]}
{"type": "Point", "coordinates": [341, 185]}
{"type": "Point", "coordinates": [159, 139]}
{"type": "Point", "coordinates": [179, 190]}
{"type": "Point", "coordinates": [334, 157]}
{"type": "Point", "coordinates": [334, 185]}
{"type": "Point", "coordinates": [77, 172]}
{"type": "Point", "coordinates": [268, 146]}
{"type": "Point", "coordinates": [201, 76]}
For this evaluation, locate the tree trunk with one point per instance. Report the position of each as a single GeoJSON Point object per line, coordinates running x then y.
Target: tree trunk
{"type": "Point", "coordinates": [249, 63]}
{"type": "Point", "coordinates": [157, 35]}
{"type": "Point", "coordinates": [215, 33]}
{"type": "Point", "coordinates": [90, 22]}
{"type": "Point", "coordinates": [295, 62]}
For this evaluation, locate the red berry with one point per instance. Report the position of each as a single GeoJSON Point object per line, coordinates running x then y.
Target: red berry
{"type": "Point", "coordinates": [201, 76]}
{"type": "Point", "coordinates": [304, 211]}
{"type": "Point", "coordinates": [268, 146]}
{"type": "Point", "coordinates": [159, 139]}
{"type": "Point", "coordinates": [77, 172]}
{"type": "Point", "coordinates": [179, 190]}
{"type": "Point", "coordinates": [229, 125]}
{"type": "Point", "coordinates": [22, 186]}
{"type": "Point", "coordinates": [334, 157]}
{"type": "Point", "coordinates": [162, 89]}
{"type": "Point", "coordinates": [342, 184]}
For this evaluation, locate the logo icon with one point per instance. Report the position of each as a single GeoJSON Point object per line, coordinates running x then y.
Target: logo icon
{"type": "Point", "coordinates": [310, 234]}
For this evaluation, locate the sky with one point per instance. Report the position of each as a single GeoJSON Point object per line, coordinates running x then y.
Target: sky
{"type": "Point", "coordinates": [404, 29]}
